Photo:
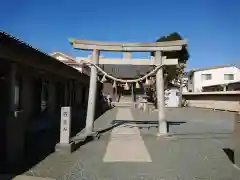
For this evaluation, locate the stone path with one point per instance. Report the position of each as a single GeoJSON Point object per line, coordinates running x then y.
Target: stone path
{"type": "Point", "coordinates": [130, 138]}
{"type": "Point", "coordinates": [130, 151]}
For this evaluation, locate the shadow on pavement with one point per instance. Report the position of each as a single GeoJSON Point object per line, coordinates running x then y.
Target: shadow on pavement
{"type": "Point", "coordinates": [110, 128]}
{"type": "Point", "coordinates": [116, 123]}
{"type": "Point", "coordinates": [6, 177]}
{"type": "Point", "coordinates": [230, 154]}
{"type": "Point", "coordinates": [41, 138]}
{"type": "Point", "coordinates": [147, 122]}
{"type": "Point", "coordinates": [78, 144]}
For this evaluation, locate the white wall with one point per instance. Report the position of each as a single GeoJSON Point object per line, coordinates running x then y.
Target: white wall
{"type": "Point", "coordinates": [184, 89]}
{"type": "Point", "coordinates": [78, 66]}
{"type": "Point", "coordinates": [217, 77]}
{"type": "Point", "coordinates": [228, 101]}
{"type": "Point", "coordinates": [171, 97]}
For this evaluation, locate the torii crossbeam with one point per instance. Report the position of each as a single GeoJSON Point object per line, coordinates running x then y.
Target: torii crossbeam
{"type": "Point", "coordinates": [157, 47]}
{"type": "Point", "coordinates": [127, 47]}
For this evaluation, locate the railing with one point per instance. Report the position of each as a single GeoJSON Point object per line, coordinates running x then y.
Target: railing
{"type": "Point", "coordinates": [228, 100]}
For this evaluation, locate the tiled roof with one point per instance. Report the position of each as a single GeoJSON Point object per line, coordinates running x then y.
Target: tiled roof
{"type": "Point", "coordinates": [5, 36]}
{"type": "Point", "coordinates": [127, 71]}
{"type": "Point", "coordinates": [69, 58]}
{"type": "Point", "coordinates": [123, 71]}
{"type": "Point", "coordinates": [40, 59]}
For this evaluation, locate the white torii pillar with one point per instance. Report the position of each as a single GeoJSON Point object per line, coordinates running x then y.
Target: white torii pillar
{"type": "Point", "coordinates": [92, 94]}
{"type": "Point", "coordinates": [162, 124]}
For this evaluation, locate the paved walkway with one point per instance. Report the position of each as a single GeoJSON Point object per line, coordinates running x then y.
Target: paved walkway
{"type": "Point", "coordinates": [130, 138]}
{"type": "Point", "coordinates": [130, 149]}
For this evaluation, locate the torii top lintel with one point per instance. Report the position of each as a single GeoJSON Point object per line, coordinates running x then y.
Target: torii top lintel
{"type": "Point", "coordinates": [131, 47]}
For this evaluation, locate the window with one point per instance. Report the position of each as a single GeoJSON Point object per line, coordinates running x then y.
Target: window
{"type": "Point", "coordinates": [44, 96]}
{"type": "Point", "coordinates": [17, 93]}
{"type": "Point", "coordinates": [206, 76]}
{"type": "Point", "coordinates": [228, 77]}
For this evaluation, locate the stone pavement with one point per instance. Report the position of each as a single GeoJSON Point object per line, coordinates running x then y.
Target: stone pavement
{"type": "Point", "coordinates": [130, 138]}
{"type": "Point", "coordinates": [129, 148]}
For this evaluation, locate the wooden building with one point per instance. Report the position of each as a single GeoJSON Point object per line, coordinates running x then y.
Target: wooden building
{"type": "Point", "coordinates": [124, 72]}
{"type": "Point", "coordinates": [33, 88]}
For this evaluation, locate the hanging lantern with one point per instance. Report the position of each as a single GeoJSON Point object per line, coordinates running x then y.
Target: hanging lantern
{"type": "Point", "coordinates": [137, 85]}
{"type": "Point", "coordinates": [104, 79]}
{"type": "Point", "coordinates": [114, 84]}
{"type": "Point", "coordinates": [126, 87]}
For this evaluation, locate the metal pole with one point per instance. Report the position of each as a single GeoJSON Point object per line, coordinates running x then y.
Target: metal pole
{"type": "Point", "coordinates": [162, 125]}
{"type": "Point", "coordinates": [92, 94]}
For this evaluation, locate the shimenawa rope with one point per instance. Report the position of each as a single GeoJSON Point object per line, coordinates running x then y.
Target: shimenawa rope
{"type": "Point", "coordinates": [125, 80]}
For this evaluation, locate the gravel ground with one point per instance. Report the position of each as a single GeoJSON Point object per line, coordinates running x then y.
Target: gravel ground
{"type": "Point", "coordinates": [195, 151]}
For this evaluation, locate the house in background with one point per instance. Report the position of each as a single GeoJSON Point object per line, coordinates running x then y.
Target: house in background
{"type": "Point", "coordinates": [172, 95]}
{"type": "Point", "coordinates": [81, 92]}
{"type": "Point", "coordinates": [123, 72]}
{"type": "Point", "coordinates": [75, 63]}
{"type": "Point", "coordinates": [220, 78]}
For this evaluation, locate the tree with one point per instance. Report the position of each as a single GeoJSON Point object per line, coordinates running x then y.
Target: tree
{"type": "Point", "coordinates": [174, 73]}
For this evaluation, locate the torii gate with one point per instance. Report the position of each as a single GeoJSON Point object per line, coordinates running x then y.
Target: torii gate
{"type": "Point", "coordinates": [127, 48]}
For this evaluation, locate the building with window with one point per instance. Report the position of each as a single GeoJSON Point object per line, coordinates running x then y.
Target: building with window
{"type": "Point", "coordinates": [218, 78]}
{"type": "Point", "coordinates": [33, 88]}
{"type": "Point", "coordinates": [123, 72]}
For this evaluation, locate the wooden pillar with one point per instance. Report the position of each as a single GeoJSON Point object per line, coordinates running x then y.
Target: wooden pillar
{"type": "Point", "coordinates": [15, 122]}
{"type": "Point", "coordinates": [51, 97]}
{"type": "Point", "coordinates": [71, 93]}
{"type": "Point", "coordinates": [13, 94]}
{"type": "Point", "coordinates": [92, 94]}
{"type": "Point", "coordinates": [162, 125]}
{"type": "Point", "coordinates": [66, 91]}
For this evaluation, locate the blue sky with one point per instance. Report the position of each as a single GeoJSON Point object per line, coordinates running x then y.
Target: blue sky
{"type": "Point", "coordinates": [211, 27]}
